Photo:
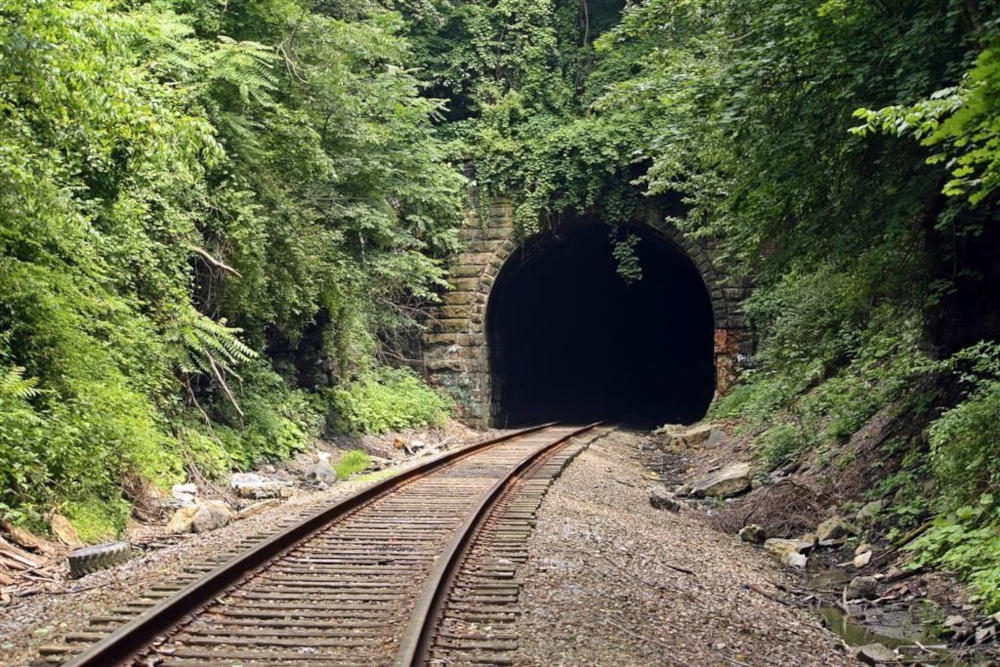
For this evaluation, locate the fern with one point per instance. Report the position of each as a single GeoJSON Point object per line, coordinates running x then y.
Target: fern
{"type": "Point", "coordinates": [204, 346]}
{"type": "Point", "coordinates": [13, 384]}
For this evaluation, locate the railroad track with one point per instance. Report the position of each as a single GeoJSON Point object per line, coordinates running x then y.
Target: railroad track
{"type": "Point", "coordinates": [417, 569]}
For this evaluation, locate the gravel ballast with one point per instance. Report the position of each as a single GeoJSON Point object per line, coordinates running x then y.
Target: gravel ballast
{"type": "Point", "coordinates": [612, 581]}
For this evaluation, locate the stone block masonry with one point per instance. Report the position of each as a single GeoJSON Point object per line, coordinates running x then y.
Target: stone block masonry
{"type": "Point", "coordinates": [456, 346]}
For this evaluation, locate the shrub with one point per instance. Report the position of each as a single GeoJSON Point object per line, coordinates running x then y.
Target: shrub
{"type": "Point", "coordinates": [779, 444]}
{"type": "Point", "coordinates": [352, 462]}
{"type": "Point", "coordinates": [388, 399]}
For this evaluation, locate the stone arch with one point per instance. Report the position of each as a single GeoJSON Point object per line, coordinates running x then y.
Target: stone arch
{"type": "Point", "coordinates": [456, 354]}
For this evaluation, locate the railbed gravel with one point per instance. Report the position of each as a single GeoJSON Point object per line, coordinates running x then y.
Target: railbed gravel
{"type": "Point", "coordinates": [600, 586]}
{"type": "Point", "coordinates": [32, 621]}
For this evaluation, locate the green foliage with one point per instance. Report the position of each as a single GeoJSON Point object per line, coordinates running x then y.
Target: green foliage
{"type": "Point", "coordinates": [967, 542]}
{"type": "Point", "coordinates": [186, 189]}
{"type": "Point", "coordinates": [386, 400]}
{"type": "Point", "coordinates": [962, 121]}
{"type": "Point", "coordinates": [778, 444]}
{"type": "Point", "coordinates": [965, 440]}
{"type": "Point", "coordinates": [351, 462]}
{"type": "Point", "coordinates": [98, 520]}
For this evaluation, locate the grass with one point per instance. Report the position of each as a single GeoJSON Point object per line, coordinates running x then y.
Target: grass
{"type": "Point", "coordinates": [352, 462]}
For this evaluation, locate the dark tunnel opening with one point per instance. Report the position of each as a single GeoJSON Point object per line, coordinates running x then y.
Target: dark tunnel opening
{"type": "Point", "coordinates": [570, 340]}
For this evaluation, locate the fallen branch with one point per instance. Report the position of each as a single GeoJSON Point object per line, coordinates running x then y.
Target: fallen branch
{"type": "Point", "coordinates": [225, 387]}
{"type": "Point", "coordinates": [215, 262]}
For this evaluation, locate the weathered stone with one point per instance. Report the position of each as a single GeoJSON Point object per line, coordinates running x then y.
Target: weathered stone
{"type": "Point", "coordinates": [185, 494]}
{"type": "Point", "coordinates": [662, 499]}
{"type": "Point", "coordinates": [870, 511]}
{"type": "Point", "coordinates": [447, 365]}
{"type": "Point", "coordinates": [779, 546]}
{"type": "Point", "coordinates": [873, 654]}
{"type": "Point", "coordinates": [464, 283]}
{"type": "Point", "coordinates": [257, 508]}
{"type": "Point", "coordinates": [687, 436]}
{"type": "Point", "coordinates": [452, 338]}
{"type": "Point", "coordinates": [451, 325]}
{"type": "Point", "coordinates": [810, 539]}
{"type": "Point", "coordinates": [753, 533]}
{"type": "Point", "coordinates": [715, 437]}
{"type": "Point", "coordinates": [953, 621]}
{"type": "Point", "coordinates": [474, 258]}
{"type": "Point", "coordinates": [459, 298]}
{"type": "Point", "coordinates": [212, 515]}
{"type": "Point", "coordinates": [455, 312]}
{"type": "Point", "coordinates": [862, 587]}
{"type": "Point", "coordinates": [731, 480]}
{"type": "Point", "coordinates": [180, 522]}
{"type": "Point", "coordinates": [252, 485]}
{"type": "Point", "coordinates": [64, 530]}
{"type": "Point", "coordinates": [465, 270]}
{"type": "Point", "coordinates": [321, 470]}
{"type": "Point", "coordinates": [862, 559]}
{"type": "Point", "coordinates": [792, 559]}
{"type": "Point", "coordinates": [862, 548]}
{"type": "Point", "coordinates": [833, 528]}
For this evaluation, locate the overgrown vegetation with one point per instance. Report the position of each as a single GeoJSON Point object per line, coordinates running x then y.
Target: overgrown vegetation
{"type": "Point", "coordinates": [215, 219]}
{"type": "Point", "coordinates": [844, 152]}
{"type": "Point", "coordinates": [193, 195]}
{"type": "Point", "coordinates": [387, 400]}
{"type": "Point", "coordinates": [351, 462]}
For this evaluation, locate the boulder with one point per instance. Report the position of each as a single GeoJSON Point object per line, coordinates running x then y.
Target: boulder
{"type": "Point", "coordinates": [322, 471]}
{"type": "Point", "coordinates": [953, 621]}
{"type": "Point", "coordinates": [862, 587]}
{"type": "Point", "coordinates": [252, 485]}
{"type": "Point", "coordinates": [184, 493]}
{"type": "Point", "coordinates": [662, 499]}
{"type": "Point", "coordinates": [180, 522]}
{"type": "Point", "coordinates": [715, 437]}
{"type": "Point", "coordinates": [873, 654]}
{"type": "Point", "coordinates": [753, 533]}
{"type": "Point", "coordinates": [833, 528]}
{"type": "Point", "coordinates": [729, 481]}
{"type": "Point", "coordinates": [680, 437]}
{"type": "Point", "coordinates": [64, 530]}
{"type": "Point", "coordinates": [793, 559]}
{"type": "Point", "coordinates": [862, 559]}
{"type": "Point", "coordinates": [211, 515]}
{"type": "Point", "coordinates": [870, 511]}
{"type": "Point", "coordinates": [779, 546]}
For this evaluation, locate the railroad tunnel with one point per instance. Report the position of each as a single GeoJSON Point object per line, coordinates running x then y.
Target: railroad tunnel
{"type": "Point", "coordinates": [571, 340]}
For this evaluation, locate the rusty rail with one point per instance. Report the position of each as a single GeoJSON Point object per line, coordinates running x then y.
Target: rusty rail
{"type": "Point", "coordinates": [161, 628]}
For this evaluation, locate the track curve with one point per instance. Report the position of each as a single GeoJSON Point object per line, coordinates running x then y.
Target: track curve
{"type": "Point", "coordinates": [352, 584]}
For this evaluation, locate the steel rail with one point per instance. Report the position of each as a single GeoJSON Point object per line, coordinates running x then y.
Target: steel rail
{"type": "Point", "coordinates": [151, 626]}
{"type": "Point", "coordinates": [415, 646]}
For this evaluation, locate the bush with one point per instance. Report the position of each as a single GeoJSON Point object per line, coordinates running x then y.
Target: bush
{"type": "Point", "coordinates": [778, 444]}
{"type": "Point", "coordinates": [967, 542]}
{"type": "Point", "coordinates": [388, 399]}
{"type": "Point", "coordinates": [352, 462]}
{"type": "Point", "coordinates": [965, 441]}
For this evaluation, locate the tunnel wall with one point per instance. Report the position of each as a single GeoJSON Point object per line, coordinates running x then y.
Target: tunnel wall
{"type": "Point", "coordinates": [455, 346]}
